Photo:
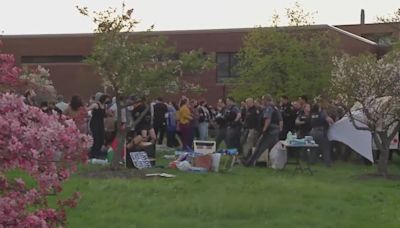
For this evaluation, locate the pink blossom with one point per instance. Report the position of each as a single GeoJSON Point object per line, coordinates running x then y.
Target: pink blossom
{"type": "Point", "coordinates": [46, 147]}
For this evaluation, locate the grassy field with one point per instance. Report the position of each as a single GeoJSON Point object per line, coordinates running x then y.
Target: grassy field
{"type": "Point", "coordinates": [245, 197]}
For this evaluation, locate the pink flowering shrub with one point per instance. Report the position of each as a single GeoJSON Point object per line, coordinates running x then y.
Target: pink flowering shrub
{"type": "Point", "coordinates": [47, 147]}
{"type": "Point", "coordinates": [9, 73]}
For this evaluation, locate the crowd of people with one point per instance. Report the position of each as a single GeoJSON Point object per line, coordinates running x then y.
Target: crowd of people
{"type": "Point", "coordinates": [251, 126]}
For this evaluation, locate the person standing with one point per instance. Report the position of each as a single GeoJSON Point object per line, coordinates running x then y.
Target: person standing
{"type": "Point", "coordinates": [160, 111]}
{"type": "Point", "coordinates": [252, 125]}
{"type": "Point", "coordinates": [288, 115]}
{"type": "Point", "coordinates": [302, 101]}
{"type": "Point", "coordinates": [221, 123]}
{"type": "Point", "coordinates": [270, 131]}
{"type": "Point", "coordinates": [141, 115]}
{"type": "Point", "coordinates": [171, 126]}
{"type": "Point", "coordinates": [243, 109]}
{"type": "Point", "coordinates": [320, 122]}
{"type": "Point", "coordinates": [303, 122]}
{"type": "Point", "coordinates": [97, 125]}
{"type": "Point", "coordinates": [194, 123]}
{"type": "Point", "coordinates": [114, 112]}
{"type": "Point", "coordinates": [78, 114]}
{"type": "Point", "coordinates": [61, 105]}
{"type": "Point", "coordinates": [233, 117]}
{"type": "Point", "coordinates": [185, 128]}
{"type": "Point", "coordinates": [204, 118]}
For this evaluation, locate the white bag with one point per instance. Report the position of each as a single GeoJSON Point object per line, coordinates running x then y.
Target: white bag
{"type": "Point", "coordinates": [278, 156]}
{"type": "Point", "coordinates": [216, 158]}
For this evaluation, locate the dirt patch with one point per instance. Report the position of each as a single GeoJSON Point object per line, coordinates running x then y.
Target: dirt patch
{"type": "Point", "coordinates": [375, 176]}
{"type": "Point", "coordinates": [107, 173]}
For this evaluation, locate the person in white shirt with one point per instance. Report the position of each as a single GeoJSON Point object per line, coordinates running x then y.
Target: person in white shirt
{"type": "Point", "coordinates": [61, 104]}
{"type": "Point", "coordinates": [113, 109]}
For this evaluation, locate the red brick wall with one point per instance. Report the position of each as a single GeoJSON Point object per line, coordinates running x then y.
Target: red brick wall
{"type": "Point", "coordinates": [71, 79]}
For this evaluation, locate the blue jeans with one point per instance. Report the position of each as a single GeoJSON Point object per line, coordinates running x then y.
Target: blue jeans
{"type": "Point", "coordinates": [203, 130]}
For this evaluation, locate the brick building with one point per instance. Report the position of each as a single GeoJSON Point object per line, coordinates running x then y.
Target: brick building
{"type": "Point", "coordinates": [63, 53]}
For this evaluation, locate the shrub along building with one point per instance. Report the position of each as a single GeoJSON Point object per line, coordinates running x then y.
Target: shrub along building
{"type": "Point", "coordinates": [63, 54]}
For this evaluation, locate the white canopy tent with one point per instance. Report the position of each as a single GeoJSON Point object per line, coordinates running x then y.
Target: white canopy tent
{"type": "Point", "coordinates": [359, 140]}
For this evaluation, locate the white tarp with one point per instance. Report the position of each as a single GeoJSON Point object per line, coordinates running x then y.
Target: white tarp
{"type": "Point", "coordinates": [345, 132]}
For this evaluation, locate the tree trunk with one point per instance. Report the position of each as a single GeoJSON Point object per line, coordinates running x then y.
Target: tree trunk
{"type": "Point", "coordinates": [121, 132]}
{"type": "Point", "coordinates": [121, 136]}
{"type": "Point", "coordinates": [382, 142]}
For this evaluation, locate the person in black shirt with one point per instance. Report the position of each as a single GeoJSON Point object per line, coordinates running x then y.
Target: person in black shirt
{"type": "Point", "coordinates": [141, 115]}
{"type": "Point", "coordinates": [270, 131]}
{"type": "Point", "coordinates": [243, 109]}
{"type": "Point", "coordinates": [159, 119]}
{"type": "Point", "coordinates": [97, 125]}
{"type": "Point", "coordinates": [252, 125]}
{"type": "Point", "coordinates": [220, 122]}
{"type": "Point", "coordinates": [288, 115]}
{"type": "Point", "coordinates": [204, 119]}
{"type": "Point", "coordinates": [320, 123]}
{"type": "Point", "coordinates": [232, 117]}
{"type": "Point", "coordinates": [303, 122]}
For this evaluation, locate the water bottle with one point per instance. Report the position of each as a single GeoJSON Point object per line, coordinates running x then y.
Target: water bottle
{"type": "Point", "coordinates": [289, 137]}
{"type": "Point", "coordinates": [98, 161]}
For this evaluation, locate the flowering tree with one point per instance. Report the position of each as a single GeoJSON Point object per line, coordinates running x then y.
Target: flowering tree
{"type": "Point", "coordinates": [21, 79]}
{"type": "Point", "coordinates": [394, 21]}
{"type": "Point", "coordinates": [46, 147]}
{"type": "Point", "coordinates": [39, 79]}
{"type": "Point", "coordinates": [370, 90]}
{"type": "Point", "coordinates": [143, 64]}
{"type": "Point", "coordinates": [395, 17]}
{"type": "Point", "coordinates": [9, 73]}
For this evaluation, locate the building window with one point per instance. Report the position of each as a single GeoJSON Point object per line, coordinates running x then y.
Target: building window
{"type": "Point", "coordinates": [51, 59]}
{"type": "Point", "coordinates": [226, 65]}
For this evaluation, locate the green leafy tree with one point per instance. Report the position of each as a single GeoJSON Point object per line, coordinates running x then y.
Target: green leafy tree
{"type": "Point", "coordinates": [285, 60]}
{"type": "Point", "coordinates": [140, 64]}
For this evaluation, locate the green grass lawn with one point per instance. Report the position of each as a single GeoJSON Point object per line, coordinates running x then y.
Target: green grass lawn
{"type": "Point", "coordinates": [245, 197]}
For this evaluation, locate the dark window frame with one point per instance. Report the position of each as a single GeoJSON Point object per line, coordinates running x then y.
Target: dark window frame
{"type": "Point", "coordinates": [52, 59]}
{"type": "Point", "coordinates": [230, 72]}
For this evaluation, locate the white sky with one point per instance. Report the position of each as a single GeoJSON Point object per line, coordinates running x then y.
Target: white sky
{"type": "Point", "coordinates": [60, 16]}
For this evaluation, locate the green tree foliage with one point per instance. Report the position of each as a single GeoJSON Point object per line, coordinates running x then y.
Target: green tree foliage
{"type": "Point", "coordinates": [291, 60]}
{"type": "Point", "coordinates": [140, 64]}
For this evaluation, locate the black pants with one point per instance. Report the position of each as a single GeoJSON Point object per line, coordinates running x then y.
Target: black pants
{"type": "Point", "coordinates": [284, 132]}
{"type": "Point", "coordinates": [233, 137]}
{"type": "Point", "coordinates": [160, 129]}
{"type": "Point", "coordinates": [221, 136]}
{"type": "Point", "coordinates": [171, 139]}
{"type": "Point", "coordinates": [322, 140]}
{"type": "Point", "coordinates": [266, 141]}
{"type": "Point", "coordinates": [98, 135]}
